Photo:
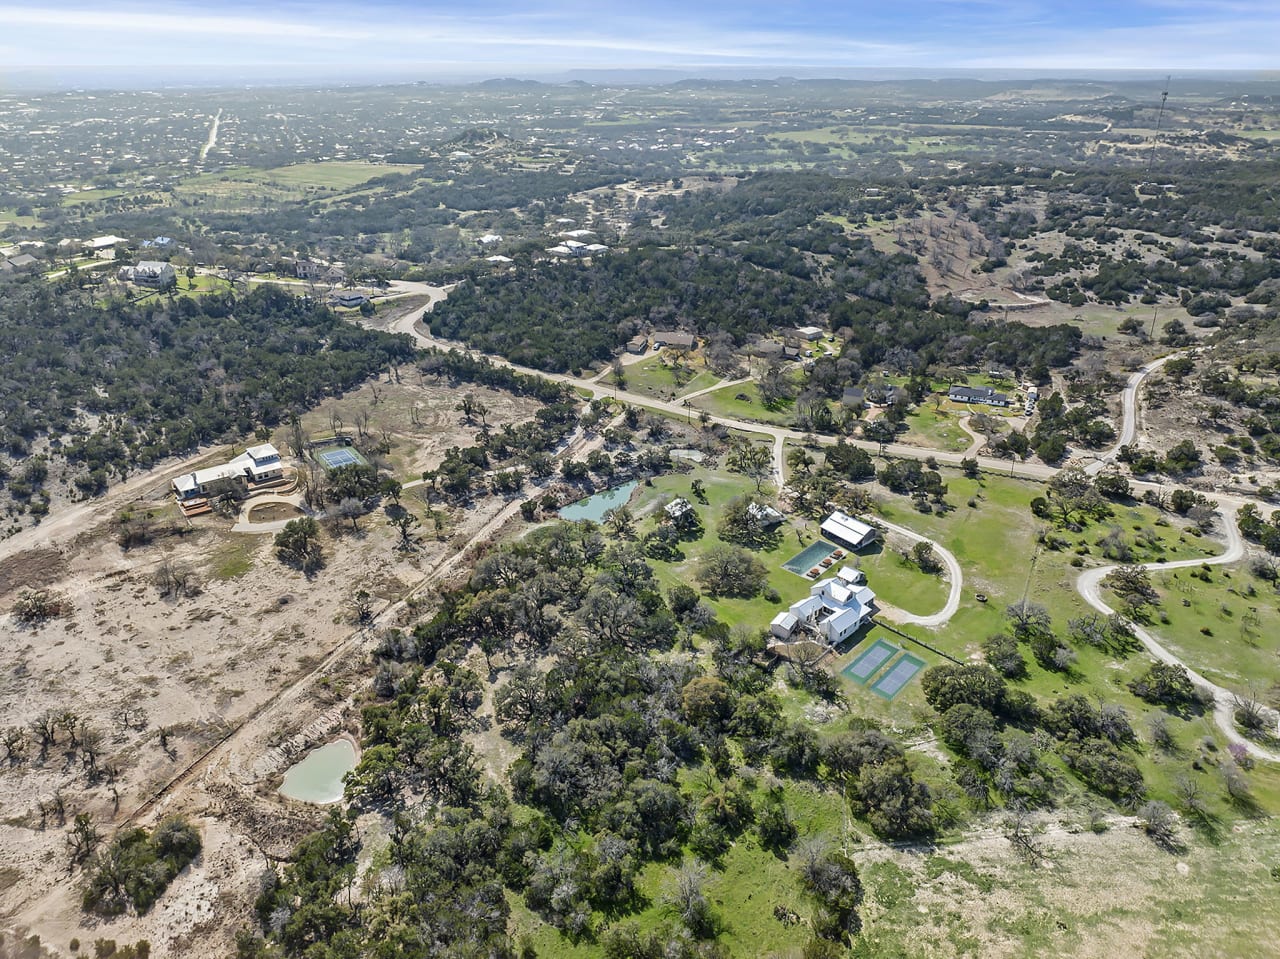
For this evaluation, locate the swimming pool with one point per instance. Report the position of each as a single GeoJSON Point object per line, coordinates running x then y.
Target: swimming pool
{"type": "Point", "coordinates": [809, 557]}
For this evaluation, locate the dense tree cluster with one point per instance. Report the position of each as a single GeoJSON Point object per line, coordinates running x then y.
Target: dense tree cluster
{"type": "Point", "coordinates": [136, 867]}
{"type": "Point", "coordinates": [1000, 733]}
{"type": "Point", "coordinates": [168, 376]}
{"type": "Point", "coordinates": [524, 316]}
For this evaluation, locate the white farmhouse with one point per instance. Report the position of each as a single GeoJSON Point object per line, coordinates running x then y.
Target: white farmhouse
{"type": "Point", "coordinates": [833, 611]}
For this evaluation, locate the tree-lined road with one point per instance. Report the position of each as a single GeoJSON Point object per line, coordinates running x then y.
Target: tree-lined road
{"type": "Point", "coordinates": [1088, 583]}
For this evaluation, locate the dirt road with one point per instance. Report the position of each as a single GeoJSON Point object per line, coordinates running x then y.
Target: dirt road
{"type": "Point", "coordinates": [1129, 412]}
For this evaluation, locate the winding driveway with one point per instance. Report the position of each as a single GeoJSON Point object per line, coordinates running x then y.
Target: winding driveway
{"type": "Point", "coordinates": [244, 524]}
{"type": "Point", "coordinates": [978, 440]}
{"type": "Point", "coordinates": [1129, 411]}
{"type": "Point", "coordinates": [1089, 585]}
{"type": "Point", "coordinates": [943, 616]}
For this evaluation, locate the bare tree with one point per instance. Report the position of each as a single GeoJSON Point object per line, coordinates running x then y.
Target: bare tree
{"type": "Point", "coordinates": [1249, 712]}
{"type": "Point", "coordinates": [15, 743]}
{"type": "Point", "coordinates": [362, 418]}
{"type": "Point", "coordinates": [45, 726]}
{"type": "Point", "coordinates": [687, 896]}
{"type": "Point", "coordinates": [1021, 833]}
{"type": "Point", "coordinates": [1160, 823]}
{"type": "Point", "coordinates": [82, 839]}
{"type": "Point", "coordinates": [350, 509]}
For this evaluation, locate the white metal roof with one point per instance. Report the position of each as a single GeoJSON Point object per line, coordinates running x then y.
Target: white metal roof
{"type": "Point", "coordinates": [845, 527]}
{"type": "Point", "coordinates": [851, 575]}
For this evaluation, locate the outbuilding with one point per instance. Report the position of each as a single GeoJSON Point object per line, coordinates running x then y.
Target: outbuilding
{"type": "Point", "coordinates": [848, 531]}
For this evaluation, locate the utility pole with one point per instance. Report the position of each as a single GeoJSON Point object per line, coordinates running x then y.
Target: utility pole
{"type": "Point", "coordinates": [1155, 311]}
{"type": "Point", "coordinates": [1164, 96]}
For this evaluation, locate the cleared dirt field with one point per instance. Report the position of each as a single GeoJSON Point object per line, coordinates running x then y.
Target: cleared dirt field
{"type": "Point", "coordinates": [417, 415]}
{"type": "Point", "coordinates": [262, 663]}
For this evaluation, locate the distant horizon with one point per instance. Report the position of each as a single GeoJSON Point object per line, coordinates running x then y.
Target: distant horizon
{"type": "Point", "coordinates": [91, 79]}
{"type": "Point", "coordinates": [79, 44]}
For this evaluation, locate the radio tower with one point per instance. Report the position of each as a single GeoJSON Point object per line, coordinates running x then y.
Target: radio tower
{"type": "Point", "coordinates": [1164, 96]}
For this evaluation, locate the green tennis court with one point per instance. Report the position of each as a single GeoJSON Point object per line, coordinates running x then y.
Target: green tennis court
{"type": "Point", "coordinates": [338, 456]}
{"type": "Point", "coordinates": [864, 667]}
{"type": "Point", "coordinates": [893, 681]}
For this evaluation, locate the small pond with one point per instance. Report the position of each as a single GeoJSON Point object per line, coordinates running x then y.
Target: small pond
{"type": "Point", "coordinates": [594, 507]}
{"type": "Point", "coordinates": [317, 777]}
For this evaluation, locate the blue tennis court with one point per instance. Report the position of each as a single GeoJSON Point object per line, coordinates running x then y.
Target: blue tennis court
{"type": "Point", "coordinates": [340, 456]}
{"type": "Point", "coordinates": [864, 667]}
{"type": "Point", "coordinates": [892, 682]}
{"type": "Point", "coordinates": [815, 553]}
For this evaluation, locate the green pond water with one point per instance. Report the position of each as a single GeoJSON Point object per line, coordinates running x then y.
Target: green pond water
{"type": "Point", "coordinates": [317, 777]}
{"type": "Point", "coordinates": [594, 507]}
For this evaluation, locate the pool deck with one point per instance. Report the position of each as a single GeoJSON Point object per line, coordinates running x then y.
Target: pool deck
{"type": "Point", "coordinates": [811, 557]}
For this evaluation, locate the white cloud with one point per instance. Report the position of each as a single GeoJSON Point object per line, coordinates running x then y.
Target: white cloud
{"type": "Point", "coordinates": [1203, 34]}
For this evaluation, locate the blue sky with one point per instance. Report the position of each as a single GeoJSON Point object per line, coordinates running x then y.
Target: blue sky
{"type": "Point", "coordinates": [503, 38]}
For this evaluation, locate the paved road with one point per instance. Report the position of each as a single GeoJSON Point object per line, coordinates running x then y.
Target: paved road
{"type": "Point", "coordinates": [1088, 582]}
{"type": "Point", "coordinates": [411, 324]}
{"type": "Point", "coordinates": [1089, 586]}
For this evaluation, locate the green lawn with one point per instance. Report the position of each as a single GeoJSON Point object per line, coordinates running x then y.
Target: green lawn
{"type": "Point", "coordinates": [1223, 621]}
{"type": "Point", "coordinates": [91, 196]}
{"type": "Point", "coordinates": [935, 429]}
{"type": "Point", "coordinates": [653, 377]}
{"type": "Point", "coordinates": [995, 543]}
{"type": "Point", "coordinates": [725, 402]}
{"type": "Point", "coordinates": [11, 216]}
{"type": "Point", "coordinates": [898, 582]}
{"type": "Point", "coordinates": [286, 182]}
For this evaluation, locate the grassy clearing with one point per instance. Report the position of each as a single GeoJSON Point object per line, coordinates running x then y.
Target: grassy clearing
{"type": "Point", "coordinates": [26, 222]}
{"type": "Point", "coordinates": [653, 377]}
{"type": "Point", "coordinates": [332, 174]}
{"type": "Point", "coordinates": [936, 430]}
{"type": "Point", "coordinates": [994, 542]}
{"type": "Point", "coordinates": [91, 196]}
{"type": "Point", "coordinates": [898, 582]}
{"type": "Point", "coordinates": [1114, 893]}
{"type": "Point", "coordinates": [287, 182]}
{"type": "Point", "coordinates": [233, 559]}
{"type": "Point", "coordinates": [725, 402]}
{"type": "Point", "coordinates": [1222, 620]}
